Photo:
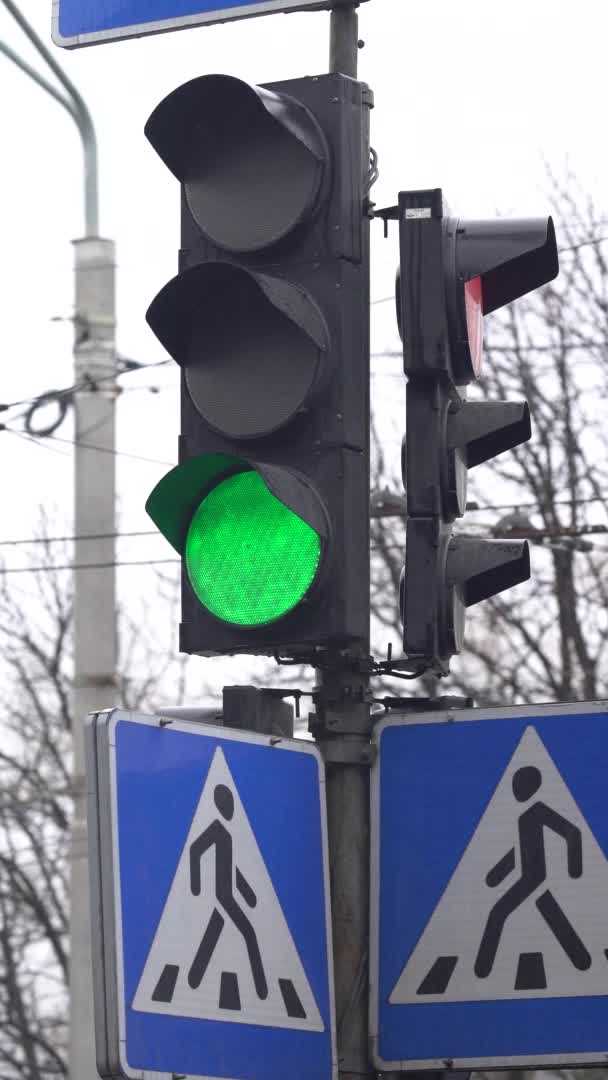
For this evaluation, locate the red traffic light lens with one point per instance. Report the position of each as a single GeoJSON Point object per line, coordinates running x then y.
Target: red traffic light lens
{"type": "Point", "coordinates": [473, 306]}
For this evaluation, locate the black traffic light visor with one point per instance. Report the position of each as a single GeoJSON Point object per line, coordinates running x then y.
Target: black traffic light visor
{"type": "Point", "coordinates": [484, 429]}
{"type": "Point", "coordinates": [512, 256]}
{"type": "Point", "coordinates": [252, 346]}
{"type": "Point", "coordinates": [177, 495]}
{"type": "Point", "coordinates": [483, 568]}
{"type": "Point", "coordinates": [251, 161]}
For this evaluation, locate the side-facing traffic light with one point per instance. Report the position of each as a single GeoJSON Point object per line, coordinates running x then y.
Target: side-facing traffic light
{"type": "Point", "coordinates": [451, 273]}
{"type": "Point", "coordinates": [268, 320]}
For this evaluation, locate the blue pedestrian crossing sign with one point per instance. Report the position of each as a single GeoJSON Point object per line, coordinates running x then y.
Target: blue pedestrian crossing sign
{"type": "Point", "coordinates": [489, 930]}
{"type": "Point", "coordinates": [76, 23]}
{"type": "Point", "coordinates": [210, 869]}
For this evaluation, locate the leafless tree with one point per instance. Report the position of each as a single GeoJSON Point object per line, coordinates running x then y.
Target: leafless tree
{"type": "Point", "coordinates": [34, 822]}
{"type": "Point", "coordinates": [35, 787]}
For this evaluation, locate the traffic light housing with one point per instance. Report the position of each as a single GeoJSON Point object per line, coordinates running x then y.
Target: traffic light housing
{"type": "Point", "coordinates": [268, 319]}
{"type": "Point", "coordinates": [451, 274]}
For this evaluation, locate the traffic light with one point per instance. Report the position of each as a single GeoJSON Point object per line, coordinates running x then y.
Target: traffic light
{"type": "Point", "coordinates": [268, 319]}
{"type": "Point", "coordinates": [451, 274]}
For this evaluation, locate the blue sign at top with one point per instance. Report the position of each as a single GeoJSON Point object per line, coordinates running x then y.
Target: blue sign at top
{"type": "Point", "coordinates": [76, 23]}
{"type": "Point", "coordinates": [489, 940]}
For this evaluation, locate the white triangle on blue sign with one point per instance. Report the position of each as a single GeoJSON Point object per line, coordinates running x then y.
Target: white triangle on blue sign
{"type": "Point", "coordinates": [525, 912]}
{"type": "Point", "coordinates": [222, 949]}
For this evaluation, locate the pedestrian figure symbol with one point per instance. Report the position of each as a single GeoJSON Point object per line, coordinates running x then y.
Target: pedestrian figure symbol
{"type": "Point", "coordinates": [524, 912]}
{"type": "Point", "coordinates": [539, 816]}
{"type": "Point", "coordinates": [223, 949]}
{"type": "Point", "coordinates": [217, 835]}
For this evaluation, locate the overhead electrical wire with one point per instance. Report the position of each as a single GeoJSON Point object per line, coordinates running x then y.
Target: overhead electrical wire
{"type": "Point", "coordinates": [40, 440]}
{"type": "Point", "coordinates": [83, 566]}
{"type": "Point", "coordinates": [63, 397]}
{"type": "Point", "coordinates": [70, 539]}
{"type": "Point", "coordinates": [525, 534]}
{"type": "Point", "coordinates": [471, 508]}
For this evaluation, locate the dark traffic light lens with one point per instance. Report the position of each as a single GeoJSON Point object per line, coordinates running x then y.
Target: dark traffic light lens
{"type": "Point", "coordinates": [250, 365]}
{"type": "Point", "coordinates": [254, 167]}
{"type": "Point", "coordinates": [252, 161]}
{"type": "Point", "coordinates": [250, 559]}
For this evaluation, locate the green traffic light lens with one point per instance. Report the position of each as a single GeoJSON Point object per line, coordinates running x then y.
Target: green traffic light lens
{"type": "Point", "coordinates": [250, 559]}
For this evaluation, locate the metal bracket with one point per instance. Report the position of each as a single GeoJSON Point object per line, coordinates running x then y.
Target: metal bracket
{"type": "Point", "coordinates": [336, 724]}
{"type": "Point", "coordinates": [280, 693]}
{"type": "Point", "coordinates": [326, 659]}
{"type": "Point", "coordinates": [405, 668]}
{"type": "Point", "coordinates": [389, 213]}
{"type": "Point", "coordinates": [421, 705]}
{"type": "Point", "coordinates": [344, 752]}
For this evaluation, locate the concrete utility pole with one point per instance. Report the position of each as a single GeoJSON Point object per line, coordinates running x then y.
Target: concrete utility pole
{"type": "Point", "coordinates": [94, 516]}
{"type": "Point", "coordinates": [94, 591]}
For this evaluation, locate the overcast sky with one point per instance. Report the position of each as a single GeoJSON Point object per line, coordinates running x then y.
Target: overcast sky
{"type": "Point", "coordinates": [473, 96]}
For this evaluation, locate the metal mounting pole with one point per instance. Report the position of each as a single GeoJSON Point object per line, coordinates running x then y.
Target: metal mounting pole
{"type": "Point", "coordinates": [342, 728]}
{"type": "Point", "coordinates": [344, 39]}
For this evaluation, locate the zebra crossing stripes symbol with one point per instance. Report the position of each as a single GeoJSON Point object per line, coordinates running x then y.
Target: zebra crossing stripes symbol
{"type": "Point", "coordinates": [223, 949]}
{"type": "Point", "coordinates": [524, 913]}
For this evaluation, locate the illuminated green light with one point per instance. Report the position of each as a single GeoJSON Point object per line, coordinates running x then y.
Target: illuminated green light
{"type": "Point", "coordinates": [250, 559]}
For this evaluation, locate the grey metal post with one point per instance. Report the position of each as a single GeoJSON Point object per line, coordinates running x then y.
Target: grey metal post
{"type": "Point", "coordinates": [343, 729]}
{"type": "Point", "coordinates": [94, 592]}
{"type": "Point", "coordinates": [343, 38]}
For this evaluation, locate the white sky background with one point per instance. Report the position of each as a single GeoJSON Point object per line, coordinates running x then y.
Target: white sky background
{"type": "Point", "coordinates": [471, 96]}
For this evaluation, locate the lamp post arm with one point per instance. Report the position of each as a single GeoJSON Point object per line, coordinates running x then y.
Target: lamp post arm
{"type": "Point", "coordinates": [38, 78]}
{"type": "Point", "coordinates": [75, 105]}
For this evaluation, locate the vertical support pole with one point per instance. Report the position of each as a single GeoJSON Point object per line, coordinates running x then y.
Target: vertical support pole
{"type": "Point", "coordinates": [94, 593]}
{"type": "Point", "coordinates": [343, 730]}
{"type": "Point", "coordinates": [343, 38]}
